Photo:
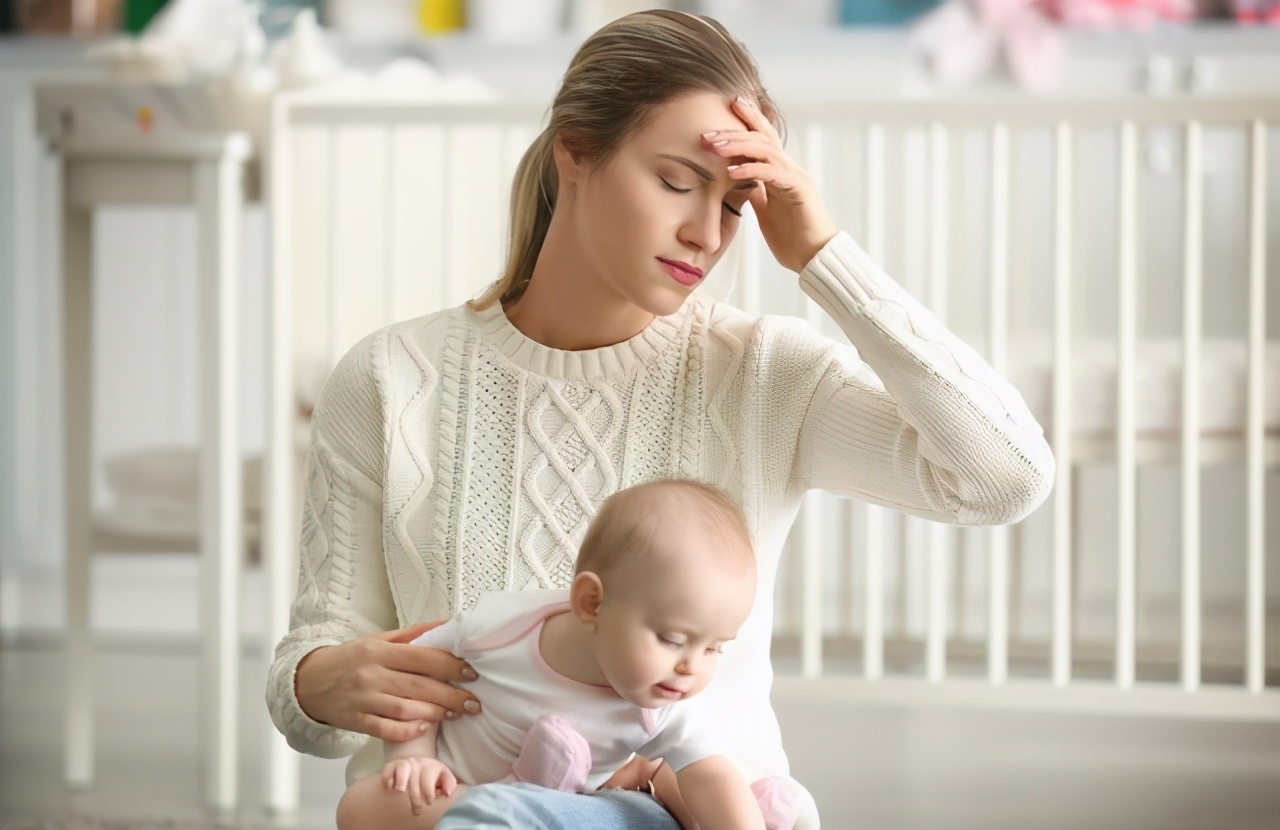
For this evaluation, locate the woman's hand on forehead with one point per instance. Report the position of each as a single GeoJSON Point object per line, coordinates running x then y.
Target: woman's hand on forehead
{"type": "Point", "coordinates": [792, 217]}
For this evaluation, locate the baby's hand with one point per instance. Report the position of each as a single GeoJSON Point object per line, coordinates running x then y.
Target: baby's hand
{"type": "Point", "coordinates": [420, 778]}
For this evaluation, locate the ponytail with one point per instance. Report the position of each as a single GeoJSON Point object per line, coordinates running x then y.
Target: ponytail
{"type": "Point", "coordinates": [533, 196]}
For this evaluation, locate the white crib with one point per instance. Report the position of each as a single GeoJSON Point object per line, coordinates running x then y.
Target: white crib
{"type": "Point", "coordinates": [1110, 255]}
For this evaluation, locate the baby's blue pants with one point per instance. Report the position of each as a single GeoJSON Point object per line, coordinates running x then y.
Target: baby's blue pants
{"type": "Point", "coordinates": [527, 807]}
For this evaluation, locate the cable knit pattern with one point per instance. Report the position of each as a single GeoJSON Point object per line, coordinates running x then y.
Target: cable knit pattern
{"type": "Point", "coordinates": [453, 455]}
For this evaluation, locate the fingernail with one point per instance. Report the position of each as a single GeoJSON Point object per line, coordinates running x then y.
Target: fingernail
{"type": "Point", "coordinates": [733, 167]}
{"type": "Point", "coordinates": [722, 142]}
{"type": "Point", "coordinates": [422, 727]}
{"type": "Point", "coordinates": [469, 673]}
{"type": "Point", "coordinates": [710, 134]}
{"type": "Point", "coordinates": [450, 714]}
{"type": "Point", "coordinates": [471, 706]}
{"type": "Point", "coordinates": [742, 99]}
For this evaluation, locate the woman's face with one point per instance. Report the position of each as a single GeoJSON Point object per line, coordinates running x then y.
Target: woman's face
{"type": "Point", "coordinates": [654, 220]}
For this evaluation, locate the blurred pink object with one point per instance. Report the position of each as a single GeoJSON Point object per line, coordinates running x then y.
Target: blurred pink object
{"type": "Point", "coordinates": [1257, 11]}
{"type": "Point", "coordinates": [1104, 14]}
{"type": "Point", "coordinates": [963, 40]}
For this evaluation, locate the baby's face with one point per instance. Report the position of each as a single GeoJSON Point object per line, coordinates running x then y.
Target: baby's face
{"type": "Point", "coordinates": [659, 636]}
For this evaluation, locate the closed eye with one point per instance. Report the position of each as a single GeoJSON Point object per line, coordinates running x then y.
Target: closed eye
{"type": "Point", "coordinates": [669, 186]}
{"type": "Point", "coordinates": [672, 187]}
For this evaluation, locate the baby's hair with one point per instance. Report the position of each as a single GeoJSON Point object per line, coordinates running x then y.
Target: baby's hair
{"type": "Point", "coordinates": [628, 521]}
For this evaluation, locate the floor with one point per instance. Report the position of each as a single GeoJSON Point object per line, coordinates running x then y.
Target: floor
{"type": "Point", "coordinates": [885, 768]}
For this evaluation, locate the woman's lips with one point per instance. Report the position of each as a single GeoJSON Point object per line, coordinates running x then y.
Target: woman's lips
{"type": "Point", "coordinates": [681, 272]}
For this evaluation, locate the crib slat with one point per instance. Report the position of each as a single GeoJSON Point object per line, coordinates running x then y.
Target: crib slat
{"type": "Point", "coordinates": [1255, 470]}
{"type": "Point", "coordinates": [873, 528]}
{"type": "Point", "coordinates": [811, 579]}
{"type": "Point", "coordinates": [360, 188]}
{"type": "Point", "coordinates": [1062, 499]}
{"type": "Point", "coordinates": [937, 535]}
{"type": "Point", "coordinates": [281, 767]}
{"type": "Point", "coordinates": [998, 550]}
{"type": "Point", "coordinates": [939, 217]}
{"type": "Point", "coordinates": [418, 222]}
{"type": "Point", "coordinates": [476, 199]}
{"type": "Point", "coordinates": [1191, 307]}
{"type": "Point", "coordinates": [1126, 421]}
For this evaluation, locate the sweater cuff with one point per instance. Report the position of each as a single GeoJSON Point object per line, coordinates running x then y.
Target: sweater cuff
{"type": "Point", "coordinates": [301, 731]}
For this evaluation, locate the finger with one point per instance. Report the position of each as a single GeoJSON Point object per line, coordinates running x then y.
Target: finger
{"type": "Point", "coordinates": [755, 145]}
{"type": "Point", "coordinates": [753, 117]}
{"type": "Point", "coordinates": [437, 778]}
{"type": "Point", "coordinates": [448, 782]}
{"type": "Point", "coordinates": [432, 663]}
{"type": "Point", "coordinates": [773, 179]}
{"type": "Point", "coordinates": [418, 692]}
{"type": "Point", "coordinates": [764, 173]}
{"type": "Point", "coordinates": [389, 729]}
{"type": "Point", "coordinates": [408, 633]}
{"type": "Point", "coordinates": [398, 704]}
{"type": "Point", "coordinates": [403, 776]}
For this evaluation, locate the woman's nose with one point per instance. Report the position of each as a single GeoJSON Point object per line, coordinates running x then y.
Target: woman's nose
{"type": "Point", "coordinates": [702, 230]}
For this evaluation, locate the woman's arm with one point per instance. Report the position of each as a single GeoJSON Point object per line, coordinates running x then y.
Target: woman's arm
{"type": "Point", "coordinates": [334, 676]}
{"type": "Point", "coordinates": [929, 428]}
{"type": "Point", "coordinates": [915, 419]}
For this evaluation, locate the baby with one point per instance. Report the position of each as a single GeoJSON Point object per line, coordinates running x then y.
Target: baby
{"type": "Point", "coordinates": [576, 684]}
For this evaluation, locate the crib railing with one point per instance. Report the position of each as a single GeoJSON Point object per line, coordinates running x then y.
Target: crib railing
{"type": "Point", "coordinates": [1066, 239]}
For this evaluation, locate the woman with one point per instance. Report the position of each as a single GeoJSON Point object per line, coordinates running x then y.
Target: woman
{"type": "Point", "coordinates": [466, 451]}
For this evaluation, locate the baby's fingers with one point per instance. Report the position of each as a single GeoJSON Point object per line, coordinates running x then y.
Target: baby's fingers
{"type": "Point", "coordinates": [416, 803]}
{"type": "Point", "coordinates": [395, 776]}
{"type": "Point", "coordinates": [448, 783]}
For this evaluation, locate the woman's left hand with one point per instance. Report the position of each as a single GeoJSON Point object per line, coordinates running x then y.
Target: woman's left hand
{"type": "Point", "coordinates": [793, 220]}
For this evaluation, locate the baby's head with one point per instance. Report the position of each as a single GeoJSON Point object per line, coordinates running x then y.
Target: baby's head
{"type": "Point", "coordinates": [666, 575]}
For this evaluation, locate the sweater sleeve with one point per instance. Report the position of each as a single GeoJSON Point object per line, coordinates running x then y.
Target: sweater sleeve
{"type": "Point", "coordinates": [343, 590]}
{"type": "Point", "coordinates": [911, 417]}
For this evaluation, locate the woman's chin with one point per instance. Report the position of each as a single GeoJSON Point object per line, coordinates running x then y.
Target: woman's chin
{"type": "Point", "coordinates": [667, 302]}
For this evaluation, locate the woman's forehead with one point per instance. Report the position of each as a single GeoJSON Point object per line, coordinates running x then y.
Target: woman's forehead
{"type": "Point", "coordinates": [685, 118]}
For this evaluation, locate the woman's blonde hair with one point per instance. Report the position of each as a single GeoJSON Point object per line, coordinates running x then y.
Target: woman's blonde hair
{"type": "Point", "coordinates": [619, 77]}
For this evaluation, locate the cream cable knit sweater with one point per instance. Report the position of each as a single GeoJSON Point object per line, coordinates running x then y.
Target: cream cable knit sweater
{"type": "Point", "coordinates": [452, 455]}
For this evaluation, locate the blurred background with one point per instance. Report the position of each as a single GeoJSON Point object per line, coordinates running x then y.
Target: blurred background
{"type": "Point", "coordinates": [378, 138]}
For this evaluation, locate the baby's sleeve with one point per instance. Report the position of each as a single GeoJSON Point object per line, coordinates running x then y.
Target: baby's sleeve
{"type": "Point", "coordinates": [446, 636]}
{"type": "Point", "coordinates": [679, 739]}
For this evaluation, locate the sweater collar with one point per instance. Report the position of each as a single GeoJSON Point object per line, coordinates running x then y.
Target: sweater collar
{"type": "Point", "coordinates": [558, 364]}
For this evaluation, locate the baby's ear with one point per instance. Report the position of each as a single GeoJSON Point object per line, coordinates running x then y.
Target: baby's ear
{"type": "Point", "coordinates": [585, 596]}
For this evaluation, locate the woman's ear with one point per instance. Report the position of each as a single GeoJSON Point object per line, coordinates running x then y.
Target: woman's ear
{"type": "Point", "coordinates": [585, 596]}
{"type": "Point", "coordinates": [568, 168]}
